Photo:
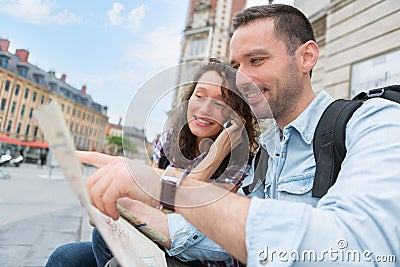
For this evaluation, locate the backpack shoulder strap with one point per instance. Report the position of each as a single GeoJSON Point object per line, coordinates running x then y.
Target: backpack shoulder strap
{"type": "Point", "coordinates": [260, 170]}
{"type": "Point", "coordinates": [328, 145]}
{"type": "Point", "coordinates": [329, 137]}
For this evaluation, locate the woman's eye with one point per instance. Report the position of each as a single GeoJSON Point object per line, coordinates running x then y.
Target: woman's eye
{"type": "Point", "coordinates": [219, 104]}
{"type": "Point", "coordinates": [199, 96]}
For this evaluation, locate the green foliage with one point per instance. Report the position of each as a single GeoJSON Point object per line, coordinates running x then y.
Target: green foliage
{"type": "Point", "coordinates": [117, 145]}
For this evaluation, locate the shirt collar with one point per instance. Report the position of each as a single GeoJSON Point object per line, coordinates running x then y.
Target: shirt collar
{"type": "Point", "coordinates": [305, 123]}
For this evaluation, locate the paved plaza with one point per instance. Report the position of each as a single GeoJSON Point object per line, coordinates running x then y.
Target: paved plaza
{"type": "Point", "coordinates": [38, 212]}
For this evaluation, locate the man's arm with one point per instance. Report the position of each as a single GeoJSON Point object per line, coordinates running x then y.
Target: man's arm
{"type": "Point", "coordinates": [184, 241]}
{"type": "Point", "coordinates": [113, 181]}
{"type": "Point", "coordinates": [222, 217]}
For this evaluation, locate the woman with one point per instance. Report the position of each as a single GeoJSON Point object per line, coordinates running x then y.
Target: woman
{"type": "Point", "coordinates": [205, 106]}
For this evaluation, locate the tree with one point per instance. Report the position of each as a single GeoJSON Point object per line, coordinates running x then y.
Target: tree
{"type": "Point", "coordinates": [116, 145]}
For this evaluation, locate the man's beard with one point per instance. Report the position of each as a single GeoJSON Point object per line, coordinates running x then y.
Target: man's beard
{"type": "Point", "coordinates": [287, 94]}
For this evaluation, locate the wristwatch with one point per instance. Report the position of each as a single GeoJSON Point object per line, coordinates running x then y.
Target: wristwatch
{"type": "Point", "coordinates": [170, 180]}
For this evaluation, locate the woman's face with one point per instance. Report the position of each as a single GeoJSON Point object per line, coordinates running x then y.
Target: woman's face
{"type": "Point", "coordinates": [205, 108]}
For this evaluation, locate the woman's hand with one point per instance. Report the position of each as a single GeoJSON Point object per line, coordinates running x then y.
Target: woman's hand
{"type": "Point", "coordinates": [228, 139]}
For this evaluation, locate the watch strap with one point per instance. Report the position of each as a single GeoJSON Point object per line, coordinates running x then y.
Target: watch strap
{"type": "Point", "coordinates": [168, 191]}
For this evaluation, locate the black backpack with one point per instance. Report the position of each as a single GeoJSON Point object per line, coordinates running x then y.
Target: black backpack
{"type": "Point", "coordinates": [329, 140]}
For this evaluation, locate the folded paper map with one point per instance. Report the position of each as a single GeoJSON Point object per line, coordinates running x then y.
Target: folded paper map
{"type": "Point", "coordinates": [127, 243]}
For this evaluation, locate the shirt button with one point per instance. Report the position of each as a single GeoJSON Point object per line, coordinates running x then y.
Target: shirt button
{"type": "Point", "coordinates": [195, 237]}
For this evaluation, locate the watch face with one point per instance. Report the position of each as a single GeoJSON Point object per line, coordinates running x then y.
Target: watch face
{"type": "Point", "coordinates": [172, 174]}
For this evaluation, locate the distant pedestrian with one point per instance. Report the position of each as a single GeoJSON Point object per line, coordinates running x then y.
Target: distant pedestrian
{"type": "Point", "coordinates": [43, 158]}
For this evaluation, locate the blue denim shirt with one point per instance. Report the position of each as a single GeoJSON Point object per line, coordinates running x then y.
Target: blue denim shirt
{"type": "Point", "coordinates": [352, 216]}
{"type": "Point", "coordinates": [357, 222]}
{"type": "Point", "coordinates": [295, 184]}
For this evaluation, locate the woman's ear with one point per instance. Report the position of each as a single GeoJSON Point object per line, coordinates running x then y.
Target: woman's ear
{"type": "Point", "coordinates": [309, 52]}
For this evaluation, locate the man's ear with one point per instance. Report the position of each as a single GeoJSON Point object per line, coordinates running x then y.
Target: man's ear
{"type": "Point", "coordinates": [308, 53]}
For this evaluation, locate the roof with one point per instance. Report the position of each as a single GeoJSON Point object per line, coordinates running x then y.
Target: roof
{"type": "Point", "coordinates": [48, 81]}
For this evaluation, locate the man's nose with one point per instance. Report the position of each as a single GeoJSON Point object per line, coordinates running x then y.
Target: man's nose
{"type": "Point", "coordinates": [241, 79]}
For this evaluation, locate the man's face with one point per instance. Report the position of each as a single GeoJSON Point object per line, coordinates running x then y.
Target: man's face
{"type": "Point", "coordinates": [266, 72]}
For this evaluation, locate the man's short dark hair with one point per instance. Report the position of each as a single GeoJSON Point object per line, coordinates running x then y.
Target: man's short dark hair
{"type": "Point", "coordinates": [290, 24]}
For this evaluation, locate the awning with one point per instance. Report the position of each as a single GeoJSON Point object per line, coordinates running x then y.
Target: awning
{"type": "Point", "coordinates": [13, 141]}
{"type": "Point", "coordinates": [9, 140]}
{"type": "Point", "coordinates": [37, 144]}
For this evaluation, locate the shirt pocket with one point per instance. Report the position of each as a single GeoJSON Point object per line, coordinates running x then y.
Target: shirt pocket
{"type": "Point", "coordinates": [297, 189]}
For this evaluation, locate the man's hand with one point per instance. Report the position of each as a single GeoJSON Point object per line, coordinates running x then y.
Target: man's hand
{"type": "Point", "coordinates": [118, 177]}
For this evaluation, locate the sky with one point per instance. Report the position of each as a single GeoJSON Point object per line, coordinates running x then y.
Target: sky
{"type": "Point", "coordinates": [111, 47]}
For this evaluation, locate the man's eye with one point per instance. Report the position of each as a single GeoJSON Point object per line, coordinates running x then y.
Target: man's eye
{"type": "Point", "coordinates": [256, 60]}
{"type": "Point", "coordinates": [235, 66]}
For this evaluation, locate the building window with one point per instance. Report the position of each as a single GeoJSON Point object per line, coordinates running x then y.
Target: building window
{"type": "Point", "coordinates": [3, 104]}
{"type": "Point", "coordinates": [17, 89]}
{"type": "Point", "coordinates": [34, 97]}
{"type": "Point", "coordinates": [7, 86]}
{"type": "Point", "coordinates": [68, 109]}
{"type": "Point", "coordinates": [375, 72]}
{"type": "Point", "coordinates": [71, 126]}
{"type": "Point", "coordinates": [14, 104]}
{"type": "Point", "coordinates": [22, 110]}
{"type": "Point", "coordinates": [39, 78]}
{"type": "Point", "coordinates": [27, 129]}
{"type": "Point", "coordinates": [9, 126]}
{"type": "Point", "coordinates": [26, 93]}
{"type": "Point", "coordinates": [30, 113]}
{"type": "Point", "coordinates": [62, 107]}
{"type": "Point", "coordinates": [73, 111]}
{"type": "Point", "coordinates": [4, 62]}
{"type": "Point", "coordinates": [197, 48]}
{"type": "Point", "coordinates": [35, 131]}
{"type": "Point", "coordinates": [42, 100]}
{"type": "Point", "coordinates": [53, 87]}
{"type": "Point", "coordinates": [23, 71]}
{"type": "Point", "coordinates": [79, 114]}
{"type": "Point", "coordinates": [19, 128]}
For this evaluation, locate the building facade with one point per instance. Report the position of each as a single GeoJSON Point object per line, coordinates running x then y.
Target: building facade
{"type": "Point", "coordinates": [208, 28]}
{"type": "Point", "coordinates": [358, 40]}
{"type": "Point", "coordinates": [134, 142]}
{"type": "Point", "coordinates": [359, 44]}
{"type": "Point", "coordinates": [25, 88]}
{"type": "Point", "coordinates": [206, 34]}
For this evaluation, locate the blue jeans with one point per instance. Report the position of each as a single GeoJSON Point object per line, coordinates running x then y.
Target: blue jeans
{"type": "Point", "coordinates": [100, 249]}
{"type": "Point", "coordinates": [73, 255]}
{"type": "Point", "coordinates": [81, 254]}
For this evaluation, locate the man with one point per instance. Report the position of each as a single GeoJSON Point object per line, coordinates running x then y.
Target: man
{"type": "Point", "coordinates": [274, 46]}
